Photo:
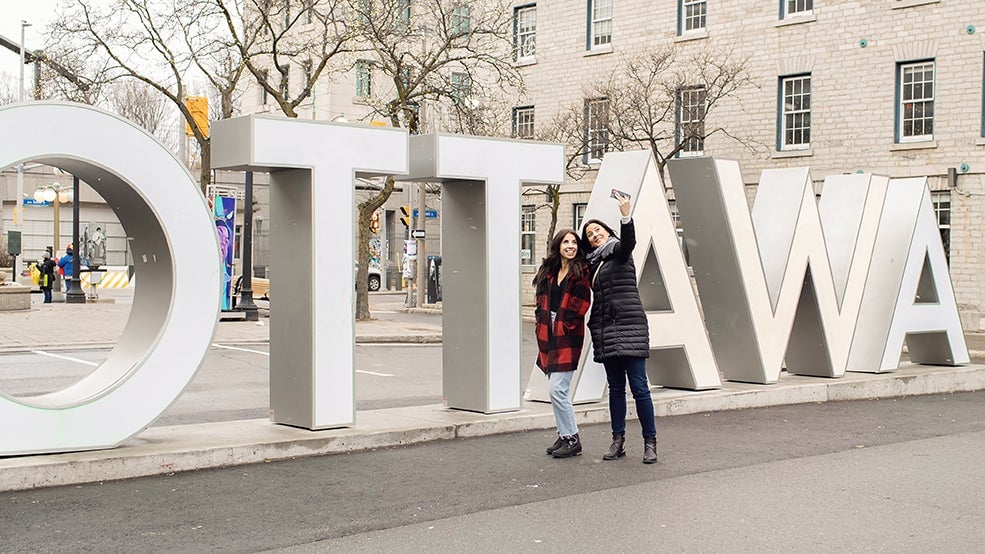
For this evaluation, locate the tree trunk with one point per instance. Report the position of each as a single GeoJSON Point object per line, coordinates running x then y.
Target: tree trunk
{"type": "Point", "coordinates": [366, 210]}
{"type": "Point", "coordinates": [554, 191]}
{"type": "Point", "coordinates": [205, 175]}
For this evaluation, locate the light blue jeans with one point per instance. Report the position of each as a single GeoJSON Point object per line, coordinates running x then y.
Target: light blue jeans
{"type": "Point", "coordinates": [564, 413]}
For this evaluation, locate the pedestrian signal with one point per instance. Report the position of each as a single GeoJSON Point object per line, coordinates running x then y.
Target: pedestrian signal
{"type": "Point", "coordinates": [405, 216]}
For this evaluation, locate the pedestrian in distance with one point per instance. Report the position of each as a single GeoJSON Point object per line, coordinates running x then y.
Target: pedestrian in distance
{"type": "Point", "coordinates": [563, 296]}
{"type": "Point", "coordinates": [620, 334]}
{"type": "Point", "coordinates": [66, 263]}
{"type": "Point", "coordinates": [47, 277]}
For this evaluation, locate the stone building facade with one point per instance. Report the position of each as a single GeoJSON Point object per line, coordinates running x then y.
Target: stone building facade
{"type": "Point", "coordinates": [893, 87]}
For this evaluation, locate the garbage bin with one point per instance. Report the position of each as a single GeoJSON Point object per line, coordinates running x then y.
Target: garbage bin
{"type": "Point", "coordinates": [434, 279]}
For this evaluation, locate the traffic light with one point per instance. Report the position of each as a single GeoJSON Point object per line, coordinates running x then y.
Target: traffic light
{"type": "Point", "coordinates": [374, 222]}
{"type": "Point", "coordinates": [405, 216]}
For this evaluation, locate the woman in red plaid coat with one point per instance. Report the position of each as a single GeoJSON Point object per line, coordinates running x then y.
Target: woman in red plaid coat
{"type": "Point", "coordinates": [563, 297]}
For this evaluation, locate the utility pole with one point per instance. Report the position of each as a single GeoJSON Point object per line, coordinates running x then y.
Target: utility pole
{"type": "Point", "coordinates": [19, 201]}
{"type": "Point", "coordinates": [246, 292]}
{"type": "Point", "coordinates": [422, 258]}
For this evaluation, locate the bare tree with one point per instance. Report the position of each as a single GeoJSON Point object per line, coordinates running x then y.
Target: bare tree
{"type": "Point", "coordinates": [143, 105]}
{"type": "Point", "coordinates": [658, 100]}
{"type": "Point", "coordinates": [661, 100]}
{"type": "Point", "coordinates": [439, 57]}
{"type": "Point", "coordinates": [567, 127]}
{"type": "Point", "coordinates": [166, 44]}
{"type": "Point", "coordinates": [288, 45]}
{"type": "Point", "coordinates": [8, 91]}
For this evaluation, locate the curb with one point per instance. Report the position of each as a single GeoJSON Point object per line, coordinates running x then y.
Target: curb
{"type": "Point", "coordinates": [360, 339]}
{"type": "Point", "coordinates": [165, 450]}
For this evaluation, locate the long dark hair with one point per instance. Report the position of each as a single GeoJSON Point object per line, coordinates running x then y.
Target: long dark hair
{"type": "Point", "coordinates": [552, 262]}
{"type": "Point", "coordinates": [587, 246]}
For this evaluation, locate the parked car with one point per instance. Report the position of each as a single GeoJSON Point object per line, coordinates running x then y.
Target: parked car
{"type": "Point", "coordinates": [374, 279]}
{"type": "Point", "coordinates": [261, 286]}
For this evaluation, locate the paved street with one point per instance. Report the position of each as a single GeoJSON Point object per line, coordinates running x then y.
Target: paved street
{"type": "Point", "coordinates": [233, 382]}
{"type": "Point", "coordinates": [896, 475]}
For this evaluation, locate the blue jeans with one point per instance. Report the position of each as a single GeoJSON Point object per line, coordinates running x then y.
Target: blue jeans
{"type": "Point", "coordinates": [617, 370]}
{"type": "Point", "coordinates": [47, 294]}
{"type": "Point", "coordinates": [564, 413]}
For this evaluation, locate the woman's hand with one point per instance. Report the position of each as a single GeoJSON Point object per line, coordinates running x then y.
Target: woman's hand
{"type": "Point", "coordinates": [623, 204]}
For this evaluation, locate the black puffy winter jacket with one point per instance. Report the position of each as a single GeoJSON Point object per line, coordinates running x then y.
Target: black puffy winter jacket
{"type": "Point", "coordinates": [618, 320]}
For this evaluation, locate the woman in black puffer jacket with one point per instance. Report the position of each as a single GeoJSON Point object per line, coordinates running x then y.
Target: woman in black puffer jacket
{"type": "Point", "coordinates": [620, 335]}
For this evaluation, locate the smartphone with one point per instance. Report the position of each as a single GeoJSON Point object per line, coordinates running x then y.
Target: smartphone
{"type": "Point", "coordinates": [618, 194]}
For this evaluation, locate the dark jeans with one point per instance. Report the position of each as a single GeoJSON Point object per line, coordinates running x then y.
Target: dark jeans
{"type": "Point", "coordinates": [617, 370]}
{"type": "Point", "coordinates": [47, 294]}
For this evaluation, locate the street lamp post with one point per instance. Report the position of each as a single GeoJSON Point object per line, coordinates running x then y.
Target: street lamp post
{"type": "Point", "coordinates": [75, 295]}
{"type": "Point", "coordinates": [24, 26]}
{"type": "Point", "coordinates": [56, 194]}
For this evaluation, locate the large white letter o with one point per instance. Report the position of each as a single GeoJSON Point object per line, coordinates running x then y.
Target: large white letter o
{"type": "Point", "coordinates": [175, 251]}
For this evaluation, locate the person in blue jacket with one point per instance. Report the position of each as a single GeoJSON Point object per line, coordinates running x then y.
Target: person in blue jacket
{"type": "Point", "coordinates": [67, 266]}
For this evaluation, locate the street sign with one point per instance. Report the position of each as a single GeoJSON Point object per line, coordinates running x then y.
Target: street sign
{"type": "Point", "coordinates": [417, 233]}
{"type": "Point", "coordinates": [428, 214]}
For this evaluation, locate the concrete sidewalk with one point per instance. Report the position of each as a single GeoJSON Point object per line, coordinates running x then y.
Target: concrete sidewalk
{"type": "Point", "coordinates": [162, 450]}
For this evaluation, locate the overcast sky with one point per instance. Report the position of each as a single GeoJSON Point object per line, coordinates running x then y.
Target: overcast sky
{"type": "Point", "coordinates": [36, 12]}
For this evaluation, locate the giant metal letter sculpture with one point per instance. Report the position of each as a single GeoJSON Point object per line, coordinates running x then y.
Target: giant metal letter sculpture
{"type": "Point", "coordinates": [480, 220]}
{"type": "Point", "coordinates": [176, 306]}
{"type": "Point", "coordinates": [312, 327]}
{"type": "Point", "coordinates": [910, 296]}
{"type": "Point", "coordinates": [680, 352]}
{"type": "Point", "coordinates": [769, 291]}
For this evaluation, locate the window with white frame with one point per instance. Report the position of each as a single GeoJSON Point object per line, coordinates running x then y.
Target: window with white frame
{"type": "Point", "coordinates": [596, 129]}
{"type": "Point", "coordinates": [523, 122]}
{"type": "Point", "coordinates": [461, 86]}
{"type": "Point", "coordinates": [795, 113]}
{"type": "Point", "coordinates": [461, 20]}
{"type": "Point", "coordinates": [915, 113]}
{"type": "Point", "coordinates": [942, 209]}
{"type": "Point", "coordinates": [578, 215]}
{"type": "Point", "coordinates": [364, 79]}
{"type": "Point", "coordinates": [263, 96]}
{"type": "Point", "coordinates": [528, 235]}
{"type": "Point", "coordinates": [692, 15]}
{"type": "Point", "coordinates": [524, 32]}
{"type": "Point", "coordinates": [306, 66]}
{"type": "Point", "coordinates": [691, 104]}
{"type": "Point", "coordinates": [600, 23]}
{"type": "Point", "coordinates": [791, 8]}
{"type": "Point", "coordinates": [403, 14]}
{"type": "Point", "coordinates": [285, 82]}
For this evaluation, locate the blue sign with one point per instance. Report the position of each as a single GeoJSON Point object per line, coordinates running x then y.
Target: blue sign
{"type": "Point", "coordinates": [33, 202]}
{"type": "Point", "coordinates": [428, 214]}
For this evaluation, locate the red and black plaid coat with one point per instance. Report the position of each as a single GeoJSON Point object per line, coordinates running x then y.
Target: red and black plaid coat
{"type": "Point", "coordinates": [561, 349]}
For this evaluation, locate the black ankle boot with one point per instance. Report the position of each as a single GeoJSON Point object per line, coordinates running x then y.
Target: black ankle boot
{"type": "Point", "coordinates": [650, 450]}
{"type": "Point", "coordinates": [557, 444]}
{"type": "Point", "coordinates": [616, 449]}
{"type": "Point", "coordinates": [571, 447]}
